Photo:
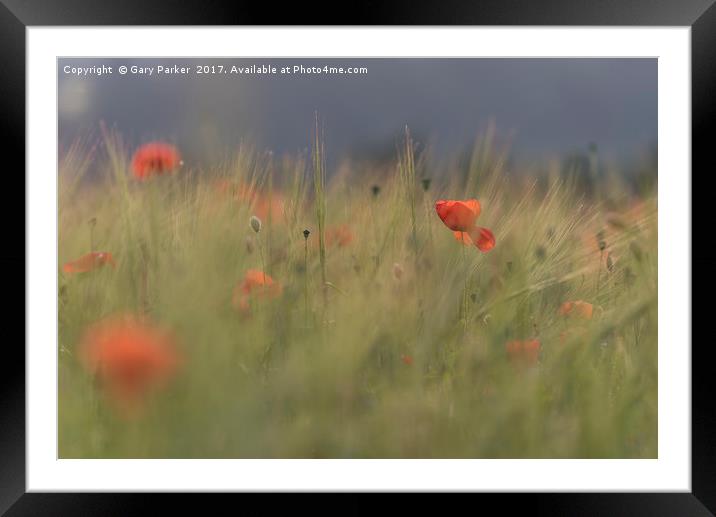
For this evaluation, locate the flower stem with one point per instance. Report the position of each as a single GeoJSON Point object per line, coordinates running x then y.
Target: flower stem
{"type": "Point", "coordinates": [261, 255]}
{"type": "Point", "coordinates": [305, 283]}
{"type": "Point", "coordinates": [467, 281]}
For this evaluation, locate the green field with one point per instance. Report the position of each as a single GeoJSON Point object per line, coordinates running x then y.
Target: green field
{"type": "Point", "coordinates": [389, 338]}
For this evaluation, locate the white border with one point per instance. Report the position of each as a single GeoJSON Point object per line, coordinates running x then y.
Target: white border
{"type": "Point", "coordinates": [670, 472]}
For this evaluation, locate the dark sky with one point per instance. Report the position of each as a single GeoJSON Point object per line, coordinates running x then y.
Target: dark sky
{"type": "Point", "coordinates": [550, 106]}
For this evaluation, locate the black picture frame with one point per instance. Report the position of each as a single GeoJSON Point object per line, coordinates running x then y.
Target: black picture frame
{"type": "Point", "coordinates": [16, 15]}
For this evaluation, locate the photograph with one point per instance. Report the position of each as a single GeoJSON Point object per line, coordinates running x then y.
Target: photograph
{"type": "Point", "coordinates": [357, 258]}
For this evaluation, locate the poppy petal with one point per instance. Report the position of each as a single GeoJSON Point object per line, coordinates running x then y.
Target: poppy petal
{"type": "Point", "coordinates": [483, 238]}
{"type": "Point", "coordinates": [89, 262]}
{"type": "Point", "coordinates": [255, 283]}
{"type": "Point", "coordinates": [474, 205]}
{"type": "Point", "coordinates": [155, 158]}
{"type": "Point", "coordinates": [459, 216]}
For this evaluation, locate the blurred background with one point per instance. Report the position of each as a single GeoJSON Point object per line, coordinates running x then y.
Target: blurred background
{"type": "Point", "coordinates": [544, 108]}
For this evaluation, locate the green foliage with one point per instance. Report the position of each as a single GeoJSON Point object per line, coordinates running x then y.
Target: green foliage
{"type": "Point", "coordinates": [313, 377]}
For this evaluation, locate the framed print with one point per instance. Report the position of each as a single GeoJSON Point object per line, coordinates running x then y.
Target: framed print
{"type": "Point", "coordinates": [359, 258]}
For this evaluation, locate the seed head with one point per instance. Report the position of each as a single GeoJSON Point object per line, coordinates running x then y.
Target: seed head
{"type": "Point", "coordinates": [376, 190]}
{"type": "Point", "coordinates": [426, 184]}
{"type": "Point", "coordinates": [255, 223]}
{"type": "Point", "coordinates": [306, 233]}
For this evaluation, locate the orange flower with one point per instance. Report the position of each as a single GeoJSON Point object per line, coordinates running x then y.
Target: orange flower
{"type": "Point", "coordinates": [155, 158]}
{"type": "Point", "coordinates": [480, 237]}
{"type": "Point", "coordinates": [130, 357]}
{"type": "Point", "coordinates": [272, 208]}
{"type": "Point", "coordinates": [577, 309]}
{"type": "Point", "coordinates": [255, 283]}
{"type": "Point", "coordinates": [460, 217]}
{"type": "Point", "coordinates": [340, 236]}
{"type": "Point", "coordinates": [407, 359]}
{"type": "Point", "coordinates": [263, 206]}
{"type": "Point", "coordinates": [523, 352]}
{"type": "Point", "coordinates": [88, 262]}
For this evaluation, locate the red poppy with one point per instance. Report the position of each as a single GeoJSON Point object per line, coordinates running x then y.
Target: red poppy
{"type": "Point", "coordinates": [88, 262]}
{"type": "Point", "coordinates": [523, 352]}
{"type": "Point", "coordinates": [262, 206]}
{"type": "Point", "coordinates": [155, 158]}
{"type": "Point", "coordinates": [578, 308]}
{"type": "Point", "coordinates": [480, 237]}
{"type": "Point", "coordinates": [460, 217]}
{"type": "Point", "coordinates": [130, 357]}
{"type": "Point", "coordinates": [407, 359]}
{"type": "Point", "coordinates": [255, 283]}
{"type": "Point", "coordinates": [340, 236]}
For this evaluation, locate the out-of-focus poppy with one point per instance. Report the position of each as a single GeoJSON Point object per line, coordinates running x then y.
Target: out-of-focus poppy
{"type": "Point", "coordinates": [255, 283]}
{"type": "Point", "coordinates": [264, 206]}
{"type": "Point", "coordinates": [130, 357]}
{"type": "Point", "coordinates": [460, 217]}
{"type": "Point", "coordinates": [407, 359]}
{"type": "Point", "coordinates": [271, 207]}
{"type": "Point", "coordinates": [523, 352]}
{"type": "Point", "coordinates": [89, 262]}
{"type": "Point", "coordinates": [340, 236]}
{"type": "Point", "coordinates": [155, 158]}
{"type": "Point", "coordinates": [578, 308]}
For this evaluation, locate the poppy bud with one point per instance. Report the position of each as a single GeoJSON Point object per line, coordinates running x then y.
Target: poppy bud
{"type": "Point", "coordinates": [426, 184]}
{"type": "Point", "coordinates": [255, 223]}
{"type": "Point", "coordinates": [376, 190]}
